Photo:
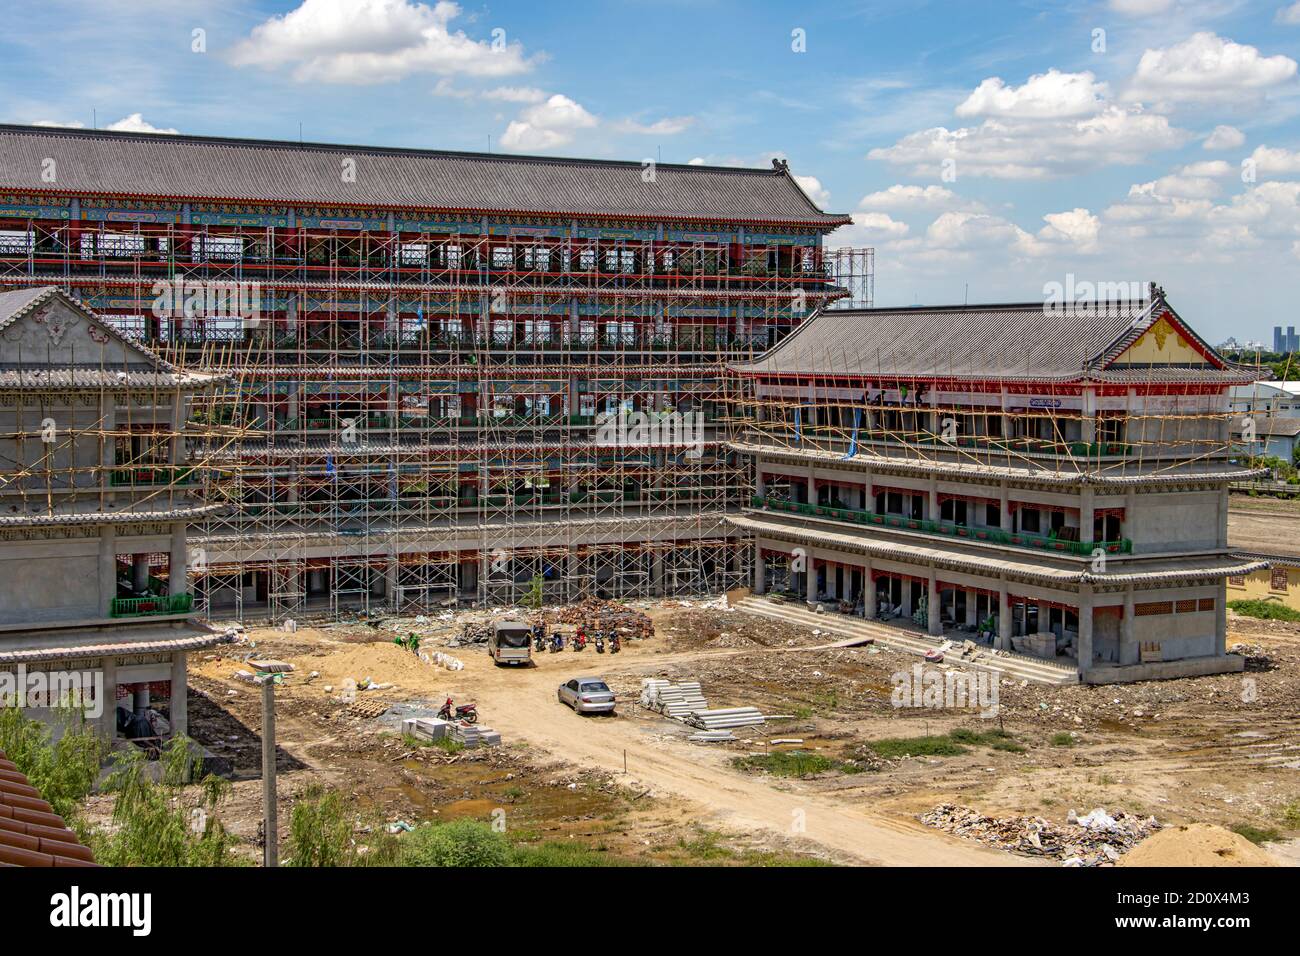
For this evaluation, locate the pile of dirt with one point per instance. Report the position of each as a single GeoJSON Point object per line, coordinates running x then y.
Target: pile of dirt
{"type": "Point", "coordinates": [1196, 844]}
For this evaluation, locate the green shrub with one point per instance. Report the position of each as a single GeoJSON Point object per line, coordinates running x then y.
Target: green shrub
{"type": "Point", "coordinates": [1265, 609]}
{"type": "Point", "coordinates": [1063, 739]}
{"type": "Point", "coordinates": [457, 843]}
{"type": "Point", "coordinates": [786, 763]}
{"type": "Point", "coordinates": [64, 771]}
{"type": "Point", "coordinates": [894, 747]}
{"type": "Point", "coordinates": [319, 831]}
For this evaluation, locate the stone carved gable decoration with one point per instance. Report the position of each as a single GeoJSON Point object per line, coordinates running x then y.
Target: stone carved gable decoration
{"type": "Point", "coordinates": [58, 332]}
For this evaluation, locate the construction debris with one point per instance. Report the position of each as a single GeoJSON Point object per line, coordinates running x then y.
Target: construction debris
{"type": "Point", "coordinates": [712, 736]}
{"type": "Point", "coordinates": [426, 728]}
{"type": "Point", "coordinates": [725, 719]}
{"type": "Point", "coordinates": [472, 735]}
{"type": "Point", "coordinates": [672, 700]}
{"type": "Point", "coordinates": [1094, 839]}
{"type": "Point", "coordinates": [594, 615]}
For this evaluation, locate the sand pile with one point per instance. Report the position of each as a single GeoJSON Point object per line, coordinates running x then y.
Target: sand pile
{"type": "Point", "coordinates": [1197, 844]}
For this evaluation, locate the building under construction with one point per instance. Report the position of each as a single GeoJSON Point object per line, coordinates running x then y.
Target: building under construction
{"type": "Point", "coordinates": [1047, 480]}
{"type": "Point", "coordinates": [461, 375]}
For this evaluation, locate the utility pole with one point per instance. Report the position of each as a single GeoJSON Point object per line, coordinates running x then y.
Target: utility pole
{"type": "Point", "coordinates": [270, 826]}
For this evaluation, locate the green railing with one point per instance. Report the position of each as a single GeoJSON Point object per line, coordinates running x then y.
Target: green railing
{"type": "Point", "coordinates": [152, 475]}
{"type": "Point", "coordinates": [144, 606]}
{"type": "Point", "coordinates": [946, 529]}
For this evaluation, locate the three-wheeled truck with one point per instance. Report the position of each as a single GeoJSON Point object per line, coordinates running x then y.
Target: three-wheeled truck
{"type": "Point", "coordinates": [511, 643]}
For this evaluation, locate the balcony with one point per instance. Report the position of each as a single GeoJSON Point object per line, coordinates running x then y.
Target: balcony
{"type": "Point", "coordinates": [153, 475]}
{"type": "Point", "coordinates": [946, 529]}
{"type": "Point", "coordinates": [152, 605]}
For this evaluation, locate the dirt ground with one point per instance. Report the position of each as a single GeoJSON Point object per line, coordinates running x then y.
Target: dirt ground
{"type": "Point", "coordinates": [1263, 524]}
{"type": "Point", "coordinates": [1218, 750]}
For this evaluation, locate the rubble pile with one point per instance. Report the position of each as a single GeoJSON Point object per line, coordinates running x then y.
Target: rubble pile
{"type": "Point", "coordinates": [1094, 839]}
{"type": "Point", "coordinates": [594, 615]}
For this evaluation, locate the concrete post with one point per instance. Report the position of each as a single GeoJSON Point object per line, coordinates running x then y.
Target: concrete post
{"type": "Point", "coordinates": [933, 511]}
{"type": "Point", "coordinates": [108, 719]}
{"type": "Point", "coordinates": [933, 624]}
{"type": "Point", "coordinates": [972, 598]}
{"type": "Point", "coordinates": [812, 487]}
{"type": "Point", "coordinates": [180, 713]}
{"type": "Point", "coordinates": [1128, 652]}
{"type": "Point", "coordinates": [140, 571]}
{"type": "Point", "coordinates": [1004, 616]}
{"type": "Point", "coordinates": [1221, 621]}
{"type": "Point", "coordinates": [869, 609]}
{"type": "Point", "coordinates": [1044, 616]}
{"type": "Point", "coordinates": [760, 572]}
{"type": "Point", "coordinates": [1004, 513]}
{"type": "Point", "coordinates": [178, 564]}
{"type": "Point", "coordinates": [271, 827]}
{"type": "Point", "coordinates": [108, 443]}
{"type": "Point", "coordinates": [107, 567]}
{"type": "Point", "coordinates": [1083, 646]}
{"type": "Point", "coordinates": [1087, 515]}
{"type": "Point", "coordinates": [810, 582]}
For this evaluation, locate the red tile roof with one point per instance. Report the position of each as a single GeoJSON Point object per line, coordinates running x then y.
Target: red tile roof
{"type": "Point", "coordinates": [31, 833]}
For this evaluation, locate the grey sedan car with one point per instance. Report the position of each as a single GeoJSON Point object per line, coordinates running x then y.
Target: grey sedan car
{"type": "Point", "coordinates": [587, 695]}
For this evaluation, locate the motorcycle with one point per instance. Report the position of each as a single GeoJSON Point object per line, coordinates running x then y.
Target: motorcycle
{"type": "Point", "coordinates": [465, 712]}
{"type": "Point", "coordinates": [557, 642]}
{"type": "Point", "coordinates": [580, 642]}
{"type": "Point", "coordinates": [539, 639]}
{"type": "Point", "coordinates": [615, 645]}
{"type": "Point", "coordinates": [600, 644]}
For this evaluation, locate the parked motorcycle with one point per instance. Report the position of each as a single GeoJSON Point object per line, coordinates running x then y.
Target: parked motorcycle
{"type": "Point", "coordinates": [600, 644]}
{"type": "Point", "coordinates": [465, 712]}
{"type": "Point", "coordinates": [580, 641]}
{"type": "Point", "coordinates": [557, 642]}
{"type": "Point", "coordinates": [615, 644]}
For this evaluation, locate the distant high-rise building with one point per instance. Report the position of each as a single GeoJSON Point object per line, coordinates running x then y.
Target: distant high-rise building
{"type": "Point", "coordinates": [1278, 344]}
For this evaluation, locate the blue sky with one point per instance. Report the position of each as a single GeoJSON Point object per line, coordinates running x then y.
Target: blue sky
{"type": "Point", "coordinates": [995, 147]}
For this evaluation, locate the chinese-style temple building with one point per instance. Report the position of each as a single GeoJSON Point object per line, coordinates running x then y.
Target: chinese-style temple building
{"type": "Point", "coordinates": [1051, 481]}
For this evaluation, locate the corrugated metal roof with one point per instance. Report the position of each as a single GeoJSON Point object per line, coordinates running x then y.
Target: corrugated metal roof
{"type": "Point", "coordinates": [1026, 341]}
{"type": "Point", "coordinates": [195, 167]}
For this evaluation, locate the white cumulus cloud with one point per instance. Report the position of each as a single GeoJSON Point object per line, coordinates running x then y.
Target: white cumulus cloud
{"type": "Point", "coordinates": [1050, 95]}
{"type": "Point", "coordinates": [1224, 137]}
{"type": "Point", "coordinates": [1207, 67]}
{"type": "Point", "coordinates": [374, 41]}
{"type": "Point", "coordinates": [547, 125]}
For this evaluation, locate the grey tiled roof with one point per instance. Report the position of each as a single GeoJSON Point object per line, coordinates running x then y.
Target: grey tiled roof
{"type": "Point", "coordinates": [1013, 341]}
{"type": "Point", "coordinates": [194, 167]}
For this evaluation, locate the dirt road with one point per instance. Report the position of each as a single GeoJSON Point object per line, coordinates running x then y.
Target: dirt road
{"type": "Point", "coordinates": [521, 703]}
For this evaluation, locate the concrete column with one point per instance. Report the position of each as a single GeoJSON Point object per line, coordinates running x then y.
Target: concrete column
{"type": "Point", "coordinates": [1221, 621]}
{"type": "Point", "coordinates": [391, 570]}
{"type": "Point", "coordinates": [107, 567]}
{"type": "Point", "coordinates": [108, 719]}
{"type": "Point", "coordinates": [657, 572]}
{"type": "Point", "coordinates": [1129, 653]}
{"type": "Point", "coordinates": [140, 571]}
{"type": "Point", "coordinates": [932, 511]}
{"type": "Point", "coordinates": [180, 715]}
{"type": "Point", "coordinates": [760, 484]}
{"type": "Point", "coordinates": [810, 582]}
{"type": "Point", "coordinates": [1087, 514]}
{"type": "Point", "coordinates": [868, 592]}
{"type": "Point", "coordinates": [972, 598]}
{"type": "Point", "coordinates": [812, 487]}
{"type": "Point", "coordinates": [1223, 518]}
{"type": "Point", "coordinates": [1083, 646]}
{"type": "Point", "coordinates": [760, 572]}
{"type": "Point", "coordinates": [1004, 514]}
{"type": "Point", "coordinates": [933, 625]}
{"type": "Point", "coordinates": [180, 408]}
{"type": "Point", "coordinates": [1044, 615]}
{"type": "Point", "coordinates": [107, 449]}
{"type": "Point", "coordinates": [1004, 616]}
{"type": "Point", "coordinates": [178, 566]}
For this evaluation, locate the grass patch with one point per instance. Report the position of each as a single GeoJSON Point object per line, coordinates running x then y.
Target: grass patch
{"type": "Point", "coordinates": [1063, 739]}
{"type": "Point", "coordinates": [993, 739]}
{"type": "Point", "coordinates": [1265, 610]}
{"type": "Point", "coordinates": [1256, 835]}
{"type": "Point", "coordinates": [1290, 815]}
{"type": "Point", "coordinates": [934, 746]}
{"type": "Point", "coordinates": [787, 763]}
